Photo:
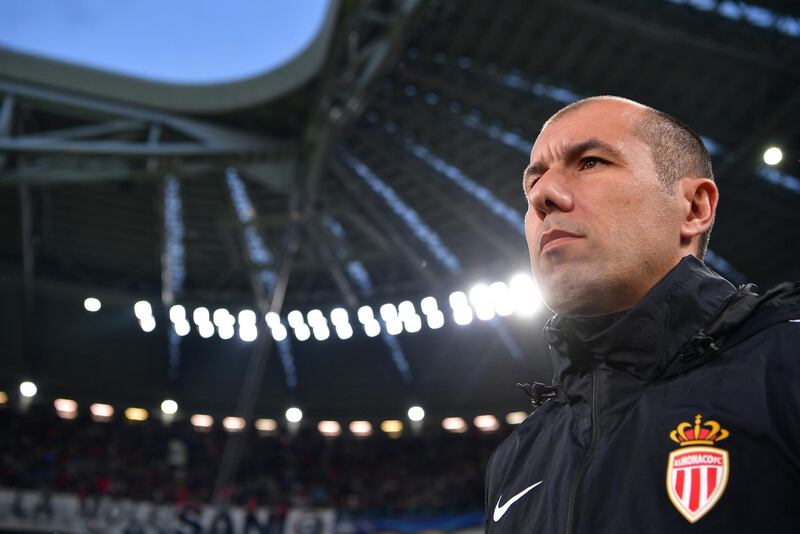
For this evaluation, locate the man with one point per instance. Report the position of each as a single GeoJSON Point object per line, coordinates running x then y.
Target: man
{"type": "Point", "coordinates": [675, 401]}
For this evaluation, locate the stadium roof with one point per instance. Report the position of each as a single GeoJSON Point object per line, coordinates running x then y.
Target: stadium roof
{"type": "Point", "coordinates": [389, 173]}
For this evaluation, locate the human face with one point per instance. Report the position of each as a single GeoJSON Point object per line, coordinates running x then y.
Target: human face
{"type": "Point", "coordinates": [601, 228]}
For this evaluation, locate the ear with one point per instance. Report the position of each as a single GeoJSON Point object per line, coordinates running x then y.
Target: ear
{"type": "Point", "coordinates": [700, 196]}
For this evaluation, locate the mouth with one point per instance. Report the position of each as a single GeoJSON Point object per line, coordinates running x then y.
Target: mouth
{"type": "Point", "coordinates": [555, 237]}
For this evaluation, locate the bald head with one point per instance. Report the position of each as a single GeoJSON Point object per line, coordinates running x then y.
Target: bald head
{"type": "Point", "coordinates": [677, 150]}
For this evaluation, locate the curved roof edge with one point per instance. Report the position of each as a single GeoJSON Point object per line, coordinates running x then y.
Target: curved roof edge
{"type": "Point", "coordinates": [210, 98]}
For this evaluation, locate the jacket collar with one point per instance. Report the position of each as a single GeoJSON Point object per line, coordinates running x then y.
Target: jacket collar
{"type": "Point", "coordinates": [644, 340]}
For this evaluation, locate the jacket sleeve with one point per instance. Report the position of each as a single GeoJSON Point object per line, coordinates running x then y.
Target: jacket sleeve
{"type": "Point", "coordinates": [783, 384]}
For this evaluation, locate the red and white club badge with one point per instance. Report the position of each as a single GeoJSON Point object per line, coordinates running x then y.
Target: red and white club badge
{"type": "Point", "coordinates": [697, 472]}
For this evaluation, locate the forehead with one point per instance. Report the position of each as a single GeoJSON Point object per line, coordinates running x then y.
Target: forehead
{"type": "Point", "coordinates": [610, 122]}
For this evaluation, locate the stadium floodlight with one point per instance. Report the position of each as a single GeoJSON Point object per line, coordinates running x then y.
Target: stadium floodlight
{"type": "Point", "coordinates": [458, 299]}
{"type": "Point", "coordinates": [360, 428]}
{"type": "Point", "coordinates": [279, 333]}
{"type": "Point", "coordinates": [142, 310]}
{"type": "Point", "coordinates": [92, 304]}
{"type": "Point", "coordinates": [413, 324]}
{"type": "Point", "coordinates": [525, 294]}
{"type": "Point", "coordinates": [294, 414]}
{"type": "Point", "coordinates": [405, 310]}
{"type": "Point", "coordinates": [201, 421]}
{"type": "Point", "coordinates": [182, 327]}
{"type": "Point", "coordinates": [344, 331]}
{"type": "Point", "coordinates": [462, 316]}
{"type": "Point", "coordinates": [315, 317]}
{"type": "Point", "coordinates": [503, 303]}
{"type": "Point", "coordinates": [136, 414]}
{"type": "Point", "coordinates": [3, 398]}
{"type": "Point", "coordinates": [515, 418]}
{"type": "Point", "coordinates": [388, 312]}
{"type": "Point", "coordinates": [201, 316]}
{"type": "Point", "coordinates": [321, 332]}
{"type": "Point", "coordinates": [226, 331]}
{"type": "Point", "coordinates": [266, 425]}
{"type": "Point", "coordinates": [773, 155]}
{"type": "Point", "coordinates": [481, 298]}
{"type": "Point", "coordinates": [454, 424]}
{"type": "Point", "coordinates": [272, 319]}
{"type": "Point", "coordinates": [339, 316]}
{"type": "Point", "coordinates": [295, 318]}
{"type": "Point", "coordinates": [101, 412]}
{"type": "Point", "coordinates": [302, 332]}
{"type": "Point", "coordinates": [206, 330]}
{"type": "Point", "coordinates": [428, 305]}
{"type": "Point", "coordinates": [248, 332]}
{"type": "Point", "coordinates": [365, 314]}
{"type": "Point", "coordinates": [372, 328]}
{"type": "Point", "coordinates": [394, 327]}
{"type": "Point", "coordinates": [486, 423]}
{"type": "Point", "coordinates": [66, 408]}
{"type": "Point", "coordinates": [222, 317]}
{"type": "Point", "coordinates": [177, 313]}
{"type": "Point", "coordinates": [247, 317]}
{"type": "Point", "coordinates": [435, 320]}
{"type": "Point", "coordinates": [148, 324]}
{"type": "Point", "coordinates": [392, 426]}
{"type": "Point", "coordinates": [28, 389]}
{"type": "Point", "coordinates": [416, 413]}
{"type": "Point", "coordinates": [329, 428]}
{"type": "Point", "coordinates": [169, 407]}
{"type": "Point", "coordinates": [234, 424]}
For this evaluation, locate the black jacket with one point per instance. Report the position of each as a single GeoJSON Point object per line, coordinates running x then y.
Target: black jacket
{"type": "Point", "coordinates": [679, 415]}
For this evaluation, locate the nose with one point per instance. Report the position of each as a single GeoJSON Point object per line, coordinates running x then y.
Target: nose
{"type": "Point", "coordinates": [550, 194]}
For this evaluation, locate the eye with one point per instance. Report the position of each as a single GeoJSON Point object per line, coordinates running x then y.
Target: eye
{"type": "Point", "coordinates": [590, 162]}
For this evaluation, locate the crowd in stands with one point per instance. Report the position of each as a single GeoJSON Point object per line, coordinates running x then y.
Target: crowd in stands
{"type": "Point", "coordinates": [416, 474]}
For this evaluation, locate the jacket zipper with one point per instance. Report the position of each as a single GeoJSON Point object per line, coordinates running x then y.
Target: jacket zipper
{"type": "Point", "coordinates": [576, 486]}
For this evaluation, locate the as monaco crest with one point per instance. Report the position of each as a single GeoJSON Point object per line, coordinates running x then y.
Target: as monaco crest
{"type": "Point", "coordinates": [697, 472]}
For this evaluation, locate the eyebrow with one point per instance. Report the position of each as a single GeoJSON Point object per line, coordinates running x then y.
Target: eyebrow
{"type": "Point", "coordinates": [571, 153]}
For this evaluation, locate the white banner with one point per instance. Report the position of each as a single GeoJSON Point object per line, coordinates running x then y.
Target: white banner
{"type": "Point", "coordinates": [67, 513]}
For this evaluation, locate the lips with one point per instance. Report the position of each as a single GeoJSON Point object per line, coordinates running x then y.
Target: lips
{"type": "Point", "coordinates": [554, 235]}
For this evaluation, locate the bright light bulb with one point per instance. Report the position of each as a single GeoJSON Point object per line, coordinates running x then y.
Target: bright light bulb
{"type": "Point", "coordinates": [169, 407]}
{"type": "Point", "coordinates": [27, 389]}
{"type": "Point", "coordinates": [200, 420]}
{"type": "Point", "coordinates": [329, 428]}
{"type": "Point", "coordinates": [272, 319]}
{"type": "Point", "coordinates": [458, 299]}
{"type": "Point", "coordinates": [416, 413]}
{"type": "Point", "coordinates": [148, 323]}
{"type": "Point", "coordinates": [429, 305]}
{"type": "Point", "coordinates": [226, 331]}
{"type": "Point", "coordinates": [315, 317]}
{"type": "Point", "coordinates": [515, 418]}
{"type": "Point", "coordinates": [295, 318]}
{"type": "Point", "coordinates": [406, 310]}
{"type": "Point", "coordinates": [360, 428]}
{"type": "Point", "coordinates": [462, 316]}
{"type": "Point", "coordinates": [234, 424]}
{"type": "Point", "coordinates": [487, 423]}
{"type": "Point", "coordinates": [200, 315]}
{"type": "Point", "coordinates": [339, 315]}
{"type": "Point", "coordinates": [177, 313]}
{"type": "Point", "coordinates": [525, 294]}
{"type": "Point", "coordinates": [321, 332]}
{"type": "Point", "coordinates": [294, 415]}
{"type": "Point", "coordinates": [182, 327]}
{"type": "Point", "coordinates": [222, 316]}
{"type": "Point", "coordinates": [773, 155]}
{"type": "Point", "coordinates": [206, 330]}
{"type": "Point", "coordinates": [372, 328]}
{"type": "Point", "coordinates": [279, 332]}
{"type": "Point", "coordinates": [248, 332]}
{"type": "Point", "coordinates": [247, 317]}
{"type": "Point", "coordinates": [394, 327]}
{"type": "Point", "coordinates": [436, 320]}
{"type": "Point", "coordinates": [413, 324]}
{"type": "Point", "coordinates": [344, 331]}
{"type": "Point", "coordinates": [388, 312]}
{"type": "Point", "coordinates": [365, 314]}
{"type": "Point", "coordinates": [142, 309]}
{"type": "Point", "coordinates": [454, 424]}
{"type": "Point", "coordinates": [503, 304]}
{"type": "Point", "coordinates": [302, 332]}
{"type": "Point", "coordinates": [92, 304]}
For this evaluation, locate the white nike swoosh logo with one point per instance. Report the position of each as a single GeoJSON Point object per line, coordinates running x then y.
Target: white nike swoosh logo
{"type": "Point", "coordinates": [499, 511]}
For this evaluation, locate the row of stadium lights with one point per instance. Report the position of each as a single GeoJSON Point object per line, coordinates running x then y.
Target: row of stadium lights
{"type": "Point", "coordinates": [68, 409]}
{"type": "Point", "coordinates": [484, 302]}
